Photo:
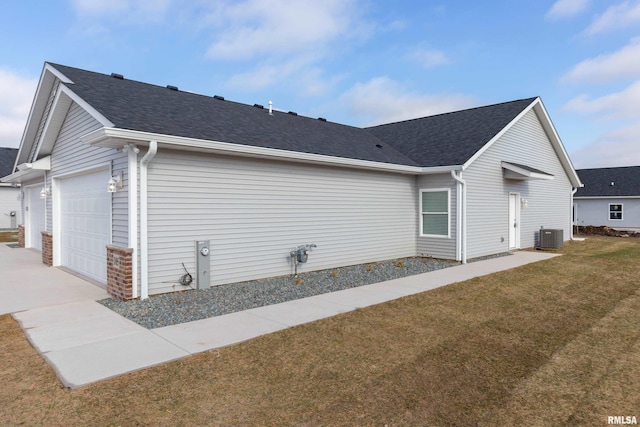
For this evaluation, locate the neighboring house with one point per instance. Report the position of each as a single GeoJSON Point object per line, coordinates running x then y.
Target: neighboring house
{"type": "Point", "coordinates": [10, 215]}
{"type": "Point", "coordinates": [610, 197]}
{"type": "Point", "coordinates": [257, 184]}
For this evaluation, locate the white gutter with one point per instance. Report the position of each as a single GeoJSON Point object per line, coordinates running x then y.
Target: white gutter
{"type": "Point", "coordinates": [573, 191]}
{"type": "Point", "coordinates": [144, 249]}
{"type": "Point", "coordinates": [132, 153]}
{"type": "Point", "coordinates": [461, 217]}
{"type": "Point", "coordinates": [115, 138]}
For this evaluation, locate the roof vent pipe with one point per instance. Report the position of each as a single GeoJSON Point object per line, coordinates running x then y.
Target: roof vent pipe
{"type": "Point", "coordinates": [270, 108]}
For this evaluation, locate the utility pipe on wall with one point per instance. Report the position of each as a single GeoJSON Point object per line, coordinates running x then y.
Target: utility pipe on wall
{"type": "Point", "coordinates": [144, 254]}
{"type": "Point", "coordinates": [461, 217]}
{"type": "Point", "coordinates": [132, 155]}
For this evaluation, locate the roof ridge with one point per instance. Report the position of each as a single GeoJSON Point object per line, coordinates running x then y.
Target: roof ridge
{"type": "Point", "coordinates": [456, 111]}
{"type": "Point", "coordinates": [274, 110]}
{"type": "Point", "coordinates": [608, 168]}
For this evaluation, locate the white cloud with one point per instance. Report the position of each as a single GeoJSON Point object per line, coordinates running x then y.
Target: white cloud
{"type": "Point", "coordinates": [127, 11]}
{"type": "Point", "coordinates": [624, 63]}
{"type": "Point", "coordinates": [566, 8]}
{"type": "Point", "coordinates": [382, 100]}
{"type": "Point", "coordinates": [616, 106]}
{"type": "Point", "coordinates": [615, 148]}
{"type": "Point", "coordinates": [276, 27]}
{"type": "Point", "coordinates": [623, 15]}
{"type": "Point", "coordinates": [15, 102]}
{"type": "Point", "coordinates": [429, 58]}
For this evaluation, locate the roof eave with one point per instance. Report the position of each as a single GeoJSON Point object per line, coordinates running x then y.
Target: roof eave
{"type": "Point", "coordinates": [118, 138]}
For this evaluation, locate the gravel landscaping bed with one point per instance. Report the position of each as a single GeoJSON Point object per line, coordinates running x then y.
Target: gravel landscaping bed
{"type": "Point", "coordinates": [179, 307]}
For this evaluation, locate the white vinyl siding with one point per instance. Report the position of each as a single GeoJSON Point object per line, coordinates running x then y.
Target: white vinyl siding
{"type": "Point", "coordinates": [548, 201]}
{"type": "Point", "coordinates": [70, 156]}
{"type": "Point", "coordinates": [439, 246]}
{"type": "Point", "coordinates": [596, 212]}
{"type": "Point", "coordinates": [9, 201]}
{"type": "Point", "coordinates": [434, 214]}
{"type": "Point", "coordinates": [255, 212]}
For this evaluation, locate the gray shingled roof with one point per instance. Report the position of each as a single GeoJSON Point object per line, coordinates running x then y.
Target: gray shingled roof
{"type": "Point", "coordinates": [442, 140]}
{"type": "Point", "coordinates": [7, 160]}
{"type": "Point", "coordinates": [450, 138]}
{"type": "Point", "coordinates": [129, 104]}
{"type": "Point", "coordinates": [597, 182]}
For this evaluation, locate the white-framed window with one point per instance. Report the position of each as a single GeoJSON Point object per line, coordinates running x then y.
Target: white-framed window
{"type": "Point", "coordinates": [434, 212]}
{"type": "Point", "coordinates": [615, 211]}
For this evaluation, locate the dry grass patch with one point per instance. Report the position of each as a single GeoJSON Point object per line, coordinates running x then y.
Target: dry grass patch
{"type": "Point", "coordinates": [552, 343]}
{"type": "Point", "coordinates": [8, 236]}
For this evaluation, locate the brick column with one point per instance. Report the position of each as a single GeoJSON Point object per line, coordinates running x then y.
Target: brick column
{"type": "Point", "coordinates": [47, 248]}
{"type": "Point", "coordinates": [21, 236]}
{"type": "Point", "coordinates": [119, 274]}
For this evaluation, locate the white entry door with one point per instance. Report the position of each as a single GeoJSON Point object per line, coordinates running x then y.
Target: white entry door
{"type": "Point", "coordinates": [35, 217]}
{"type": "Point", "coordinates": [85, 224]}
{"type": "Point", "coordinates": [514, 221]}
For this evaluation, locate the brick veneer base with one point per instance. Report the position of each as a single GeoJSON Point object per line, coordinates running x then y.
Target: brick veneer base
{"type": "Point", "coordinates": [21, 236]}
{"type": "Point", "coordinates": [119, 272]}
{"type": "Point", "coordinates": [47, 248]}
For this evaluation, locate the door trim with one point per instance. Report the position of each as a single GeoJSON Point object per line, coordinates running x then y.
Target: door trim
{"type": "Point", "coordinates": [514, 221]}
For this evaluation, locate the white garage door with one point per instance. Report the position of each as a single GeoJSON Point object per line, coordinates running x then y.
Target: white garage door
{"type": "Point", "coordinates": [35, 217]}
{"type": "Point", "coordinates": [85, 219]}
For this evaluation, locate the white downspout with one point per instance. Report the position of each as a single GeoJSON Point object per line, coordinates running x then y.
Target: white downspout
{"type": "Point", "coordinates": [573, 191]}
{"type": "Point", "coordinates": [461, 217]}
{"type": "Point", "coordinates": [144, 256]}
{"type": "Point", "coordinates": [132, 153]}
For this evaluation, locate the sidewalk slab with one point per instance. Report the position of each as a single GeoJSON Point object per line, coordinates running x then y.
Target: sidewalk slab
{"type": "Point", "coordinates": [74, 324]}
{"type": "Point", "coordinates": [100, 360]}
{"type": "Point", "coordinates": [221, 331]}
{"type": "Point", "coordinates": [297, 312]}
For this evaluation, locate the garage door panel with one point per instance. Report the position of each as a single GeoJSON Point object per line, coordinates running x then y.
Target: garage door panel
{"type": "Point", "coordinates": [85, 224]}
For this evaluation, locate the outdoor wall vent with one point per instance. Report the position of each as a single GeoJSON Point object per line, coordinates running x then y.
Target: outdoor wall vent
{"type": "Point", "coordinates": [117, 76]}
{"type": "Point", "coordinates": [218, 97]}
{"type": "Point", "coordinates": [172, 87]}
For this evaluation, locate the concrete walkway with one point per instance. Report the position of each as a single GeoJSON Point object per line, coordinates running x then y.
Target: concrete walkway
{"type": "Point", "coordinates": [85, 342]}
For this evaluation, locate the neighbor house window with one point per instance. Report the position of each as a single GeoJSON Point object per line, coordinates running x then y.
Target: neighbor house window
{"type": "Point", "coordinates": [615, 212]}
{"type": "Point", "coordinates": [434, 213]}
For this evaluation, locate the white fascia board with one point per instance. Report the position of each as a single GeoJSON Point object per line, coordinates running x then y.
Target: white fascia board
{"type": "Point", "coordinates": [45, 84]}
{"type": "Point", "coordinates": [488, 145]}
{"type": "Point", "coordinates": [62, 101]}
{"type": "Point", "coordinates": [523, 174]}
{"type": "Point", "coordinates": [117, 138]}
{"type": "Point", "coordinates": [548, 126]}
{"type": "Point", "coordinates": [28, 171]}
{"type": "Point", "coordinates": [85, 106]}
{"type": "Point", "coordinates": [551, 133]}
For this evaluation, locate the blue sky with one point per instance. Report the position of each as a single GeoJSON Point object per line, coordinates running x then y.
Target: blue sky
{"type": "Point", "coordinates": [358, 62]}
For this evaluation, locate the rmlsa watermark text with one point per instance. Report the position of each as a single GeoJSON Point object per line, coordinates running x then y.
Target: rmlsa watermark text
{"type": "Point", "coordinates": [621, 419]}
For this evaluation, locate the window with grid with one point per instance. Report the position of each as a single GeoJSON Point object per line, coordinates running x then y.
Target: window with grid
{"type": "Point", "coordinates": [615, 212]}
